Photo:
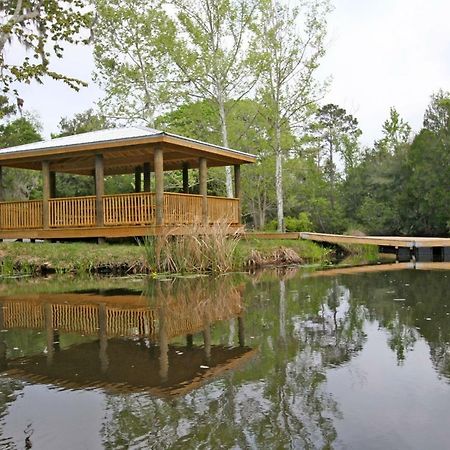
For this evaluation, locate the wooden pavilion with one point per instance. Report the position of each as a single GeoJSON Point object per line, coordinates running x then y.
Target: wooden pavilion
{"type": "Point", "coordinates": [116, 151]}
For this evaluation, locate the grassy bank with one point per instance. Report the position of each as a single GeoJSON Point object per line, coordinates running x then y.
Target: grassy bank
{"type": "Point", "coordinates": [42, 258]}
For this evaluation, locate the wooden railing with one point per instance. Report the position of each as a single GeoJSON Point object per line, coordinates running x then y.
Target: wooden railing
{"type": "Point", "coordinates": [72, 212]}
{"type": "Point", "coordinates": [223, 209]}
{"type": "Point", "coordinates": [122, 209]}
{"type": "Point", "coordinates": [129, 209]}
{"type": "Point", "coordinates": [182, 209]}
{"type": "Point", "coordinates": [21, 215]}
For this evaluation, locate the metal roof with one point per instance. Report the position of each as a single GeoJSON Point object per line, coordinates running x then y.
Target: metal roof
{"type": "Point", "coordinates": [105, 136]}
{"type": "Point", "coordinates": [90, 137]}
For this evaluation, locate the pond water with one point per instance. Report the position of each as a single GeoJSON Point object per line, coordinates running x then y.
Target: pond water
{"type": "Point", "coordinates": [345, 358]}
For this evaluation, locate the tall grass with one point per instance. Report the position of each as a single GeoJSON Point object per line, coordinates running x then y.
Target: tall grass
{"type": "Point", "coordinates": [206, 249]}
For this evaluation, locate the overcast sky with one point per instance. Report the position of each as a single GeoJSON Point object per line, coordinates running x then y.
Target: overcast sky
{"type": "Point", "coordinates": [380, 53]}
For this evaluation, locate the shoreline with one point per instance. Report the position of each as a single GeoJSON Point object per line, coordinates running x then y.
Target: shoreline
{"type": "Point", "coordinates": [43, 258]}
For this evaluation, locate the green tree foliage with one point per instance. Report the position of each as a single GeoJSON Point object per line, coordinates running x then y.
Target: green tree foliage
{"type": "Point", "coordinates": [40, 28]}
{"type": "Point", "coordinates": [247, 132]}
{"type": "Point", "coordinates": [20, 184]}
{"type": "Point", "coordinates": [425, 201]}
{"type": "Point", "coordinates": [68, 185]}
{"type": "Point", "coordinates": [400, 187]}
{"type": "Point", "coordinates": [396, 132]}
{"type": "Point", "coordinates": [212, 55]}
{"type": "Point", "coordinates": [335, 135]}
{"type": "Point", "coordinates": [83, 122]}
{"type": "Point", "coordinates": [437, 114]}
{"type": "Point", "coordinates": [6, 108]}
{"type": "Point", "coordinates": [131, 55]}
{"type": "Point", "coordinates": [289, 45]}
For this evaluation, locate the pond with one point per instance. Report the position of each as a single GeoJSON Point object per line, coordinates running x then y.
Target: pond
{"type": "Point", "coordinates": [342, 358]}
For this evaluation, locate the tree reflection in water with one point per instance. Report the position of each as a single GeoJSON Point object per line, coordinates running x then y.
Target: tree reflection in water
{"type": "Point", "coordinates": [277, 400]}
{"type": "Point", "coordinates": [301, 325]}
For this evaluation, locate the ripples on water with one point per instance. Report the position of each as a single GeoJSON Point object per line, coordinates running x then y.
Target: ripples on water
{"type": "Point", "coordinates": [347, 358]}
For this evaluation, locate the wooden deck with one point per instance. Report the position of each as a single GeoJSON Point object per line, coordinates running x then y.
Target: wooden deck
{"type": "Point", "coordinates": [122, 215]}
{"type": "Point", "coordinates": [384, 241]}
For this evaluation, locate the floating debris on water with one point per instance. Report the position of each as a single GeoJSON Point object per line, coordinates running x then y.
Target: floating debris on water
{"type": "Point", "coordinates": [399, 299]}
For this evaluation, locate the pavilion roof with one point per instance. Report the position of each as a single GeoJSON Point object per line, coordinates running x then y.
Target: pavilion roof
{"type": "Point", "coordinates": [123, 149]}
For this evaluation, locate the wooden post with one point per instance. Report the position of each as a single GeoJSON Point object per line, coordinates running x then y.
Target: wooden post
{"type": "Point", "coordinates": [203, 179]}
{"type": "Point", "coordinates": [186, 178]}
{"type": "Point", "coordinates": [99, 188]}
{"type": "Point", "coordinates": [52, 184]}
{"type": "Point", "coordinates": [45, 194]}
{"type": "Point", "coordinates": [48, 319]}
{"type": "Point", "coordinates": [237, 188]}
{"type": "Point", "coordinates": [207, 342]}
{"type": "Point", "coordinates": [241, 331]}
{"type": "Point", "coordinates": [163, 345]}
{"type": "Point", "coordinates": [103, 337]}
{"type": "Point", "coordinates": [1, 185]}
{"type": "Point", "coordinates": [146, 177]}
{"type": "Point", "coordinates": [137, 179]}
{"type": "Point", "coordinates": [159, 185]}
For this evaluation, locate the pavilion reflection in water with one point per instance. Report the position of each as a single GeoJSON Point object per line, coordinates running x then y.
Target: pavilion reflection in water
{"type": "Point", "coordinates": [133, 350]}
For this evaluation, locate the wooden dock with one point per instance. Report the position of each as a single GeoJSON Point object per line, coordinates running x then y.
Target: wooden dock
{"type": "Point", "coordinates": [383, 241]}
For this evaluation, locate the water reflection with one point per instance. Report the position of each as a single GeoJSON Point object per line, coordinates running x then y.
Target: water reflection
{"type": "Point", "coordinates": [288, 359]}
{"type": "Point", "coordinates": [175, 312]}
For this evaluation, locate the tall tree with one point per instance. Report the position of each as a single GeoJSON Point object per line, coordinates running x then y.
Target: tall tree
{"type": "Point", "coordinates": [212, 55]}
{"type": "Point", "coordinates": [83, 122]}
{"type": "Point", "coordinates": [131, 55]}
{"type": "Point", "coordinates": [437, 114]}
{"type": "Point", "coordinates": [41, 28]}
{"type": "Point", "coordinates": [289, 45]}
{"type": "Point", "coordinates": [247, 132]}
{"type": "Point", "coordinates": [336, 135]}
{"type": "Point", "coordinates": [396, 132]}
{"type": "Point", "coordinates": [425, 200]}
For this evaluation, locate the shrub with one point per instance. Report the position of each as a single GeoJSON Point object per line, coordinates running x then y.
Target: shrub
{"type": "Point", "coordinates": [300, 223]}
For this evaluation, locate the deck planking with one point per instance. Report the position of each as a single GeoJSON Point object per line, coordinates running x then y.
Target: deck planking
{"type": "Point", "coordinates": [385, 241]}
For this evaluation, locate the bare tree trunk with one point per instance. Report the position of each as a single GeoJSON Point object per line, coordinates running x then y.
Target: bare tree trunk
{"type": "Point", "coordinates": [331, 153]}
{"type": "Point", "coordinates": [223, 125]}
{"type": "Point", "coordinates": [279, 177]}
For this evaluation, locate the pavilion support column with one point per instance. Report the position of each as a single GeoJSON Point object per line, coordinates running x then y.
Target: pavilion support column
{"type": "Point", "coordinates": [103, 337]}
{"type": "Point", "coordinates": [237, 188]}
{"type": "Point", "coordinates": [207, 342]}
{"type": "Point", "coordinates": [203, 179]}
{"type": "Point", "coordinates": [137, 179]}
{"type": "Point", "coordinates": [186, 178]}
{"type": "Point", "coordinates": [146, 177]}
{"type": "Point", "coordinates": [241, 331]}
{"type": "Point", "coordinates": [2, 195]}
{"type": "Point", "coordinates": [99, 189]}
{"type": "Point", "coordinates": [46, 194]}
{"type": "Point", "coordinates": [52, 184]}
{"type": "Point", "coordinates": [159, 185]}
